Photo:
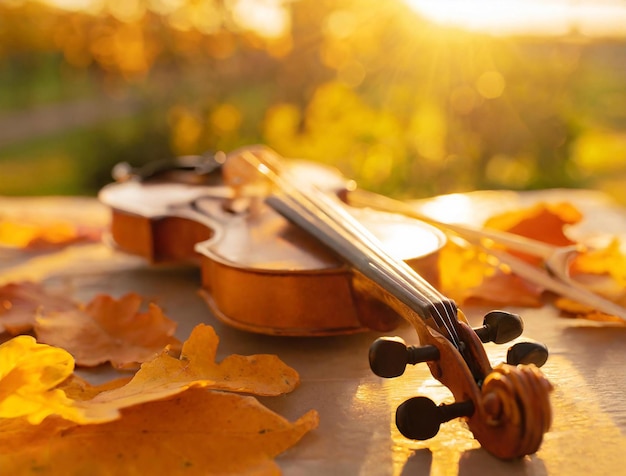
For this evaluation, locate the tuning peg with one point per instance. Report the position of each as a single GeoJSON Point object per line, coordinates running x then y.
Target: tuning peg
{"type": "Point", "coordinates": [419, 418]}
{"type": "Point", "coordinates": [527, 353]}
{"type": "Point", "coordinates": [500, 327]}
{"type": "Point", "coordinates": [389, 356]}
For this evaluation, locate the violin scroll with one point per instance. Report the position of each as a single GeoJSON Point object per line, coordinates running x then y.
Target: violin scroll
{"type": "Point", "coordinates": [517, 412]}
{"type": "Point", "coordinates": [514, 404]}
{"type": "Point", "coordinates": [507, 407]}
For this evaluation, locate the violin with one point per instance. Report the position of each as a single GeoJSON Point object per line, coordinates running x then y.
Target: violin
{"type": "Point", "coordinates": [260, 272]}
{"type": "Point", "coordinates": [282, 253]}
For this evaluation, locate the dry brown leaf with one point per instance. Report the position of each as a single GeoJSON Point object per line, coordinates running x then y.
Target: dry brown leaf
{"type": "Point", "coordinates": [40, 235]}
{"type": "Point", "coordinates": [543, 222]}
{"type": "Point", "coordinates": [19, 303]}
{"type": "Point", "coordinates": [36, 380]}
{"type": "Point", "coordinates": [505, 289]}
{"type": "Point", "coordinates": [602, 271]}
{"type": "Point", "coordinates": [108, 330]}
{"type": "Point", "coordinates": [165, 376]}
{"type": "Point", "coordinates": [161, 411]}
{"type": "Point", "coordinates": [198, 432]}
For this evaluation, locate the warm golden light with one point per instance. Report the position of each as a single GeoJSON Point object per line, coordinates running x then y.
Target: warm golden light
{"type": "Point", "coordinates": [74, 4]}
{"type": "Point", "coordinates": [401, 96]}
{"type": "Point", "coordinates": [543, 17]}
{"type": "Point", "coordinates": [451, 208]}
{"type": "Point", "coordinates": [268, 18]}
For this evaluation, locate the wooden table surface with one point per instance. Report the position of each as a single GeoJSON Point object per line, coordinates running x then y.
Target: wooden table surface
{"type": "Point", "coordinates": [356, 433]}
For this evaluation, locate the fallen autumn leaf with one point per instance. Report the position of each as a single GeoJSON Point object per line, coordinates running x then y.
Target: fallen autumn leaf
{"type": "Point", "coordinates": [20, 302]}
{"type": "Point", "coordinates": [108, 330]}
{"type": "Point", "coordinates": [198, 432]}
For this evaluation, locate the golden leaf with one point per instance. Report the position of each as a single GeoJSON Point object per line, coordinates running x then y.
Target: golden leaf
{"type": "Point", "coordinates": [37, 379]}
{"type": "Point", "coordinates": [29, 373]}
{"type": "Point", "coordinates": [469, 276]}
{"type": "Point", "coordinates": [576, 310]}
{"type": "Point", "coordinates": [505, 289]}
{"type": "Point", "coordinates": [78, 388]}
{"type": "Point", "coordinates": [108, 330]}
{"type": "Point", "coordinates": [31, 235]}
{"type": "Point", "coordinates": [462, 268]}
{"type": "Point", "coordinates": [192, 430]}
{"type": "Point", "coordinates": [18, 434]}
{"type": "Point", "coordinates": [609, 261]}
{"type": "Point", "coordinates": [198, 432]}
{"type": "Point", "coordinates": [166, 376]}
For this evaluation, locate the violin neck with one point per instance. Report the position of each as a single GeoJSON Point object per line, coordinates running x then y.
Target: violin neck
{"type": "Point", "coordinates": [327, 220]}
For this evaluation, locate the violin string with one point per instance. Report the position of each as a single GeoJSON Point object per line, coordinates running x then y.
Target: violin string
{"type": "Point", "coordinates": [341, 216]}
{"type": "Point", "coordinates": [406, 273]}
{"type": "Point", "coordinates": [396, 269]}
{"type": "Point", "coordinates": [399, 270]}
{"type": "Point", "coordinates": [316, 206]}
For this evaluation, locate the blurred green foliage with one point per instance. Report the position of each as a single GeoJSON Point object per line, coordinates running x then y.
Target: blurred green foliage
{"type": "Point", "coordinates": [403, 106]}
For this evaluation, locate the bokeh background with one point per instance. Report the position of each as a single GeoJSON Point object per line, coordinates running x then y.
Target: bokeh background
{"type": "Point", "coordinates": [409, 97]}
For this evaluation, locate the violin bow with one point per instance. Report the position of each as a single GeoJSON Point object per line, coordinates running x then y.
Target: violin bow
{"type": "Point", "coordinates": [556, 259]}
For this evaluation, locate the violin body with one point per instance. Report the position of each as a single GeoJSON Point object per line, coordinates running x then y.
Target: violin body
{"type": "Point", "coordinates": [281, 254]}
{"type": "Point", "coordinates": [260, 272]}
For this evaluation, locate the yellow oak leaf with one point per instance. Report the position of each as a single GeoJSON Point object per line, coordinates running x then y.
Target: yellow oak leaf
{"type": "Point", "coordinates": [574, 309]}
{"type": "Point", "coordinates": [108, 330]}
{"type": "Point", "coordinates": [29, 373]}
{"type": "Point", "coordinates": [166, 376]}
{"type": "Point", "coordinates": [28, 388]}
{"type": "Point", "coordinates": [609, 260]}
{"type": "Point", "coordinates": [20, 302]}
{"type": "Point", "coordinates": [80, 389]}
{"type": "Point", "coordinates": [470, 276]}
{"type": "Point", "coordinates": [198, 432]}
{"type": "Point", "coordinates": [462, 268]}
{"type": "Point", "coordinates": [163, 410]}
{"type": "Point", "coordinates": [40, 235]}
{"type": "Point", "coordinates": [16, 433]}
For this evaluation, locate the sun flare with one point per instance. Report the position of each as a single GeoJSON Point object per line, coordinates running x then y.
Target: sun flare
{"type": "Point", "coordinates": [544, 17]}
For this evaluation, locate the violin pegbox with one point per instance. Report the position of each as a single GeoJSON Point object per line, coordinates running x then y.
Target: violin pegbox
{"type": "Point", "coordinates": [388, 356]}
{"type": "Point", "coordinates": [512, 402]}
